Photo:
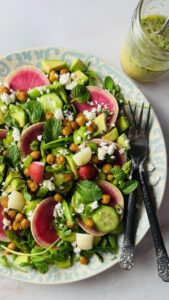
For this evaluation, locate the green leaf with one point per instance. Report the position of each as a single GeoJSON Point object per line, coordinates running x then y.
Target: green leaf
{"type": "Point", "coordinates": [129, 186]}
{"type": "Point", "coordinates": [52, 129]}
{"type": "Point", "coordinates": [108, 83]}
{"type": "Point", "coordinates": [4, 261]}
{"type": "Point", "coordinates": [34, 111]}
{"type": "Point", "coordinates": [91, 74]}
{"type": "Point", "coordinates": [89, 190]}
{"type": "Point", "coordinates": [35, 145]}
{"type": "Point", "coordinates": [80, 93]}
{"type": "Point", "coordinates": [118, 173]}
{"type": "Point", "coordinates": [13, 155]}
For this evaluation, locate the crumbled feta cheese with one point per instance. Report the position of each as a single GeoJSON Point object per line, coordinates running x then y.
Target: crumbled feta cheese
{"type": "Point", "coordinates": [102, 153]}
{"type": "Point", "coordinates": [105, 149]}
{"type": "Point", "coordinates": [65, 78]}
{"type": "Point", "coordinates": [30, 215]}
{"type": "Point", "coordinates": [88, 123]}
{"type": "Point", "coordinates": [94, 205]}
{"type": "Point", "coordinates": [6, 223]}
{"type": "Point", "coordinates": [49, 185]}
{"type": "Point", "coordinates": [126, 142]}
{"type": "Point", "coordinates": [71, 85]}
{"type": "Point", "coordinates": [76, 250]}
{"type": "Point", "coordinates": [58, 210]}
{"type": "Point", "coordinates": [82, 146]}
{"type": "Point", "coordinates": [74, 244]}
{"type": "Point", "coordinates": [39, 137]}
{"type": "Point", "coordinates": [7, 99]}
{"type": "Point", "coordinates": [121, 151]}
{"type": "Point", "coordinates": [111, 149]}
{"type": "Point", "coordinates": [102, 144]}
{"type": "Point", "coordinates": [59, 114]}
{"type": "Point", "coordinates": [90, 115]}
{"type": "Point", "coordinates": [80, 208]}
{"type": "Point", "coordinates": [63, 152]}
{"type": "Point", "coordinates": [99, 107]}
{"type": "Point", "coordinates": [16, 134]}
{"type": "Point", "coordinates": [4, 109]}
{"type": "Point", "coordinates": [4, 194]}
{"type": "Point", "coordinates": [68, 115]}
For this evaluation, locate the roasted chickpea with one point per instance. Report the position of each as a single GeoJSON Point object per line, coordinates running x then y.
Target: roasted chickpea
{"type": "Point", "coordinates": [58, 197]}
{"type": "Point", "coordinates": [53, 76]}
{"type": "Point", "coordinates": [66, 122]}
{"type": "Point", "coordinates": [25, 223]}
{"type": "Point", "coordinates": [67, 130]}
{"type": "Point", "coordinates": [80, 119]}
{"type": "Point", "coordinates": [32, 185]}
{"type": "Point", "coordinates": [83, 260]}
{"type": "Point", "coordinates": [95, 159]}
{"type": "Point", "coordinates": [16, 226]}
{"type": "Point", "coordinates": [64, 71]}
{"type": "Point", "coordinates": [51, 159]}
{"type": "Point", "coordinates": [19, 217]}
{"type": "Point", "coordinates": [35, 154]}
{"type": "Point", "coordinates": [91, 128]}
{"type": "Point", "coordinates": [11, 246]}
{"type": "Point", "coordinates": [74, 148]}
{"type": "Point", "coordinates": [4, 202]}
{"type": "Point", "coordinates": [26, 172]}
{"type": "Point", "coordinates": [107, 168]}
{"type": "Point", "coordinates": [49, 115]}
{"type": "Point", "coordinates": [4, 152]}
{"type": "Point", "coordinates": [68, 176]}
{"type": "Point", "coordinates": [60, 160]}
{"type": "Point", "coordinates": [4, 89]}
{"type": "Point", "coordinates": [109, 177]}
{"type": "Point", "coordinates": [105, 199]}
{"type": "Point", "coordinates": [12, 213]}
{"type": "Point", "coordinates": [21, 95]}
{"type": "Point", "coordinates": [89, 223]}
{"type": "Point", "coordinates": [74, 125]}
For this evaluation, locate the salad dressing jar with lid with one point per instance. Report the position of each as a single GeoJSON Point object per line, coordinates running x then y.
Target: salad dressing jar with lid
{"type": "Point", "coordinates": [145, 53]}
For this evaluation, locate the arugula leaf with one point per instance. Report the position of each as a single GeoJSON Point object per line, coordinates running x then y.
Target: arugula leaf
{"type": "Point", "coordinates": [80, 93]}
{"type": "Point", "coordinates": [13, 155]}
{"type": "Point", "coordinates": [108, 83]}
{"type": "Point", "coordinates": [34, 111]}
{"type": "Point", "coordinates": [129, 186]}
{"type": "Point", "coordinates": [89, 190]}
{"type": "Point", "coordinates": [52, 129]}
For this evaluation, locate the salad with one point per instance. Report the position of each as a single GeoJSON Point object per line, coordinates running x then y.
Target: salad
{"type": "Point", "coordinates": [64, 168]}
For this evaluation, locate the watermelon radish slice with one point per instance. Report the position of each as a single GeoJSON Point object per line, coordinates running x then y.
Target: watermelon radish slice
{"type": "Point", "coordinates": [28, 136]}
{"type": "Point", "coordinates": [42, 227]}
{"type": "Point", "coordinates": [3, 133]}
{"type": "Point", "coordinates": [25, 78]}
{"type": "Point", "coordinates": [3, 236]}
{"type": "Point", "coordinates": [102, 97]}
{"type": "Point", "coordinates": [116, 199]}
{"type": "Point", "coordinates": [121, 158]}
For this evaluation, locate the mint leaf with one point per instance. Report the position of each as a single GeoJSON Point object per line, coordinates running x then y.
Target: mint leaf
{"type": "Point", "coordinates": [52, 129]}
{"type": "Point", "coordinates": [13, 155]}
{"type": "Point", "coordinates": [108, 83]}
{"type": "Point", "coordinates": [80, 93]}
{"type": "Point", "coordinates": [129, 186]}
{"type": "Point", "coordinates": [89, 190]}
{"type": "Point", "coordinates": [34, 111]}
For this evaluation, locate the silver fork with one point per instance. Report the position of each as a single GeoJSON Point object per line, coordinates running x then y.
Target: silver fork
{"type": "Point", "coordinates": [139, 136]}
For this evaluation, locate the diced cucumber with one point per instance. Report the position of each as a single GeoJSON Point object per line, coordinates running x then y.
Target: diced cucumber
{"type": "Point", "coordinates": [51, 64]}
{"type": "Point", "coordinates": [79, 135]}
{"type": "Point", "coordinates": [80, 77]}
{"type": "Point", "coordinates": [77, 64]}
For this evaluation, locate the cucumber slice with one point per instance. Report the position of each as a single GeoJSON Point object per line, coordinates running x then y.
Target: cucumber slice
{"type": "Point", "coordinates": [105, 218]}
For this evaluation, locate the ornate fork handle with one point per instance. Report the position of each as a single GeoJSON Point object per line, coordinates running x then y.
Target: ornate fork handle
{"type": "Point", "coordinates": [161, 253]}
{"type": "Point", "coordinates": [127, 252]}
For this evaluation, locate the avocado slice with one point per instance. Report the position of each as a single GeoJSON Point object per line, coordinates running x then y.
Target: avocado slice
{"type": "Point", "coordinates": [122, 124]}
{"type": "Point", "coordinates": [10, 176]}
{"type": "Point", "coordinates": [72, 166]}
{"type": "Point", "coordinates": [52, 64]}
{"type": "Point", "coordinates": [79, 135]}
{"type": "Point", "coordinates": [27, 161]}
{"type": "Point", "coordinates": [2, 168]}
{"type": "Point", "coordinates": [22, 260]}
{"type": "Point", "coordinates": [100, 122]}
{"type": "Point", "coordinates": [76, 65]}
{"type": "Point", "coordinates": [8, 140]}
{"type": "Point", "coordinates": [50, 102]}
{"type": "Point", "coordinates": [123, 141]}
{"type": "Point", "coordinates": [79, 77]}
{"type": "Point", "coordinates": [17, 114]}
{"type": "Point", "coordinates": [70, 238]}
{"type": "Point", "coordinates": [63, 264]}
{"type": "Point", "coordinates": [15, 185]}
{"type": "Point", "coordinates": [111, 135]}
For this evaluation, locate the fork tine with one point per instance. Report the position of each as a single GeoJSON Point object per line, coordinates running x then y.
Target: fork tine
{"type": "Point", "coordinates": [133, 113]}
{"type": "Point", "coordinates": [140, 119]}
{"type": "Point", "coordinates": [146, 130]}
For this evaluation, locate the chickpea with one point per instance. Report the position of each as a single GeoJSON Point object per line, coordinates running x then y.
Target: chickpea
{"type": "Point", "coordinates": [4, 152]}
{"type": "Point", "coordinates": [67, 130]}
{"type": "Point", "coordinates": [19, 217]}
{"type": "Point", "coordinates": [16, 226]}
{"type": "Point", "coordinates": [53, 76]}
{"type": "Point", "coordinates": [64, 71]}
{"type": "Point", "coordinates": [95, 159]}
{"type": "Point", "coordinates": [25, 223]}
{"type": "Point", "coordinates": [91, 128]}
{"type": "Point", "coordinates": [80, 119]}
{"type": "Point", "coordinates": [74, 148]}
{"type": "Point", "coordinates": [35, 154]}
{"type": "Point", "coordinates": [89, 223]}
{"type": "Point", "coordinates": [105, 199]}
{"type": "Point", "coordinates": [66, 122]}
{"type": "Point", "coordinates": [4, 202]}
{"type": "Point", "coordinates": [58, 197]}
{"type": "Point", "coordinates": [21, 95]}
{"type": "Point", "coordinates": [32, 185]}
{"type": "Point", "coordinates": [11, 246]}
{"type": "Point", "coordinates": [74, 125]}
{"type": "Point", "coordinates": [68, 176]}
{"type": "Point", "coordinates": [4, 89]}
{"type": "Point", "coordinates": [12, 213]}
{"type": "Point", "coordinates": [60, 160]}
{"type": "Point", "coordinates": [109, 177]}
{"type": "Point", "coordinates": [107, 168]}
{"type": "Point", "coordinates": [83, 260]}
{"type": "Point", "coordinates": [51, 159]}
{"type": "Point", "coordinates": [49, 115]}
{"type": "Point", "coordinates": [26, 172]}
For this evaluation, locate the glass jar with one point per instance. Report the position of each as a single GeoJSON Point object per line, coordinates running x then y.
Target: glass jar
{"type": "Point", "coordinates": [142, 56]}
